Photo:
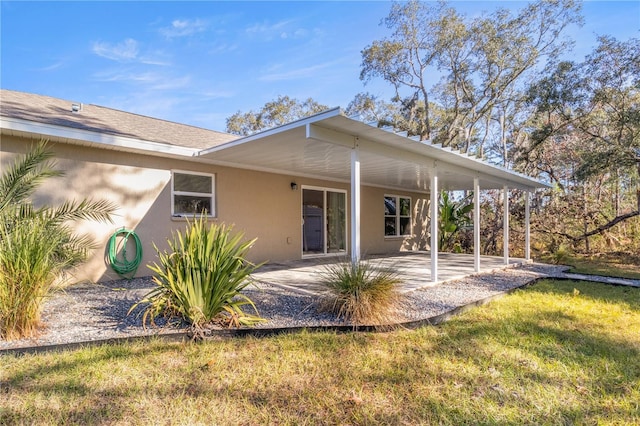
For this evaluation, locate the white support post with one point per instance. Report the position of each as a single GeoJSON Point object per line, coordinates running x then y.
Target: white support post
{"type": "Point", "coordinates": [476, 224]}
{"type": "Point", "coordinates": [355, 204]}
{"type": "Point", "coordinates": [435, 201]}
{"type": "Point", "coordinates": [527, 227]}
{"type": "Point", "coordinates": [506, 225]}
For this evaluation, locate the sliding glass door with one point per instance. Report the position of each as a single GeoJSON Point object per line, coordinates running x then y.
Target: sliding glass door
{"type": "Point", "coordinates": [324, 221]}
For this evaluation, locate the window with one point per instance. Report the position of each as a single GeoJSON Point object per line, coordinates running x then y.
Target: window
{"type": "Point", "coordinates": [192, 194]}
{"type": "Point", "coordinates": [397, 216]}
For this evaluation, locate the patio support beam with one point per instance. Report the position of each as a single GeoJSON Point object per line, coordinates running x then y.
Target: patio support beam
{"type": "Point", "coordinates": [435, 201]}
{"type": "Point", "coordinates": [505, 224]}
{"type": "Point", "coordinates": [476, 224]}
{"type": "Point", "coordinates": [527, 227]}
{"type": "Point", "coordinates": [327, 135]}
{"type": "Point", "coordinates": [355, 203]}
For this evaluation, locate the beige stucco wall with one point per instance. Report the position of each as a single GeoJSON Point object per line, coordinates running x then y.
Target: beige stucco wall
{"type": "Point", "coordinates": [262, 205]}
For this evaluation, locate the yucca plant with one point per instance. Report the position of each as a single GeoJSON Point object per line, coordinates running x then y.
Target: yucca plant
{"type": "Point", "coordinates": [360, 293]}
{"type": "Point", "coordinates": [201, 278]}
{"type": "Point", "coordinates": [37, 246]}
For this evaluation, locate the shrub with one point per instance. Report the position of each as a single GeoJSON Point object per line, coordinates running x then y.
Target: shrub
{"type": "Point", "coordinates": [202, 277]}
{"type": "Point", "coordinates": [561, 255]}
{"type": "Point", "coordinates": [37, 246]}
{"type": "Point", "coordinates": [360, 293]}
{"type": "Point", "coordinates": [454, 216]}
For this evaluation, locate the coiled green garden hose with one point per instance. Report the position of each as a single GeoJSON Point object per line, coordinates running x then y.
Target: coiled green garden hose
{"type": "Point", "coordinates": [123, 266]}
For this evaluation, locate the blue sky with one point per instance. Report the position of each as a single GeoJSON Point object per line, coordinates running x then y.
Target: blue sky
{"type": "Point", "coordinates": [199, 62]}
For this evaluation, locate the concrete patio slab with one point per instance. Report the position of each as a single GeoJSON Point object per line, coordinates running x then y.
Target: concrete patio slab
{"type": "Point", "coordinates": [414, 268]}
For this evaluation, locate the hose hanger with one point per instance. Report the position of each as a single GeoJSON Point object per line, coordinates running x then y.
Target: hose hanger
{"type": "Point", "coordinates": [118, 259]}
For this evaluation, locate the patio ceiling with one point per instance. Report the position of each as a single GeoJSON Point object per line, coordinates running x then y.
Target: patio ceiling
{"type": "Point", "coordinates": [320, 147]}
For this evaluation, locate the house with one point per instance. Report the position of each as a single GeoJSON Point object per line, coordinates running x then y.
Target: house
{"type": "Point", "coordinates": [320, 186]}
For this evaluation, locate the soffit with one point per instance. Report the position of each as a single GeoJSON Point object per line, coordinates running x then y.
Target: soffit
{"type": "Point", "coordinates": [321, 147]}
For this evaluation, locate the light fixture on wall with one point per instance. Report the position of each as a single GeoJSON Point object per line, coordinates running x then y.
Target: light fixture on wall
{"type": "Point", "coordinates": [294, 186]}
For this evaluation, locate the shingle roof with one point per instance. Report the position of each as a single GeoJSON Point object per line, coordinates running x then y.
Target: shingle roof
{"type": "Point", "coordinates": [48, 110]}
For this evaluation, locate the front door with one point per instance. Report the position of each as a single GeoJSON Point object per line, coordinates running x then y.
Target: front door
{"type": "Point", "coordinates": [324, 221]}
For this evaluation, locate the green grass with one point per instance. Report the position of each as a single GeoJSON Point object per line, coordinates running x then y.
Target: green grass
{"type": "Point", "coordinates": [558, 352]}
{"type": "Point", "coordinates": [621, 265]}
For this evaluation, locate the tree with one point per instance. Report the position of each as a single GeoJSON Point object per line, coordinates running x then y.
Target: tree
{"type": "Point", "coordinates": [472, 68]}
{"type": "Point", "coordinates": [404, 59]}
{"type": "Point", "coordinates": [280, 111]}
{"type": "Point", "coordinates": [370, 109]}
{"type": "Point", "coordinates": [37, 246]}
{"type": "Point", "coordinates": [592, 111]}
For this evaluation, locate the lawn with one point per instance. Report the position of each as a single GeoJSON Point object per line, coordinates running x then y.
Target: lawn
{"type": "Point", "coordinates": [558, 352]}
{"type": "Point", "coordinates": [621, 265]}
{"type": "Point", "coordinates": [616, 264]}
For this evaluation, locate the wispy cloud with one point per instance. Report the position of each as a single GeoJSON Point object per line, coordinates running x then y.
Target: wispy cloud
{"type": "Point", "coordinates": [125, 51]}
{"type": "Point", "coordinates": [184, 27]}
{"type": "Point", "coordinates": [126, 75]}
{"type": "Point", "coordinates": [282, 30]}
{"type": "Point", "coordinates": [292, 74]}
{"type": "Point", "coordinates": [217, 94]}
{"type": "Point", "coordinates": [150, 79]}
{"type": "Point", "coordinates": [52, 67]}
{"type": "Point", "coordinates": [128, 51]}
{"type": "Point", "coordinates": [157, 57]}
{"type": "Point", "coordinates": [167, 83]}
{"type": "Point", "coordinates": [223, 48]}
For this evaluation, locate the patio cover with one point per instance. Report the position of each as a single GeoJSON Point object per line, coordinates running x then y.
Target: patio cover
{"type": "Point", "coordinates": [320, 147]}
{"type": "Point", "coordinates": [331, 146]}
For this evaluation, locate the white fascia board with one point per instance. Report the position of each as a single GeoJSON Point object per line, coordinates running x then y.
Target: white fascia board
{"type": "Point", "coordinates": [51, 130]}
{"type": "Point", "coordinates": [275, 130]}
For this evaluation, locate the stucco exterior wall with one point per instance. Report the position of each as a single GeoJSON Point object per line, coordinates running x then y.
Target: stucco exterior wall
{"type": "Point", "coordinates": [261, 205]}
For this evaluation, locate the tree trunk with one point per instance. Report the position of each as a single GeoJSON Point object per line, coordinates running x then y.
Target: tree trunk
{"type": "Point", "coordinates": [585, 219]}
{"type": "Point", "coordinates": [604, 227]}
{"type": "Point", "coordinates": [638, 187]}
{"type": "Point", "coordinates": [503, 138]}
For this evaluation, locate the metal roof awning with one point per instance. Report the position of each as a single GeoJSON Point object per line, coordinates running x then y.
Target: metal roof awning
{"type": "Point", "coordinates": [319, 146]}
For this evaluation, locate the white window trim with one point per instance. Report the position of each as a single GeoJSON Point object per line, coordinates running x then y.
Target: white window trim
{"type": "Point", "coordinates": [398, 216]}
{"type": "Point", "coordinates": [214, 209]}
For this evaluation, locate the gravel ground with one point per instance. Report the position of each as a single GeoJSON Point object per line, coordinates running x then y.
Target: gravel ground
{"type": "Point", "coordinates": [83, 313]}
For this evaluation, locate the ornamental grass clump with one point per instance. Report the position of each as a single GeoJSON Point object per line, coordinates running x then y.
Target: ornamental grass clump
{"type": "Point", "coordinates": [360, 293]}
{"type": "Point", "coordinates": [201, 278]}
{"type": "Point", "coordinates": [37, 244]}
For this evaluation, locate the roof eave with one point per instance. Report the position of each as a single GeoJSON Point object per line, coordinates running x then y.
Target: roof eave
{"type": "Point", "coordinates": [44, 130]}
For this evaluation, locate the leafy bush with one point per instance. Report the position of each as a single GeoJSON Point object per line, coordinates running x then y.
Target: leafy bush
{"type": "Point", "coordinates": [561, 255]}
{"type": "Point", "coordinates": [37, 246]}
{"type": "Point", "coordinates": [202, 277]}
{"type": "Point", "coordinates": [360, 293]}
{"type": "Point", "coordinates": [454, 216]}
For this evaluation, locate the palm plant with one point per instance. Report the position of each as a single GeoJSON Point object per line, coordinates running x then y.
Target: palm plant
{"type": "Point", "coordinates": [454, 215]}
{"type": "Point", "coordinates": [201, 278]}
{"type": "Point", "coordinates": [37, 245]}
